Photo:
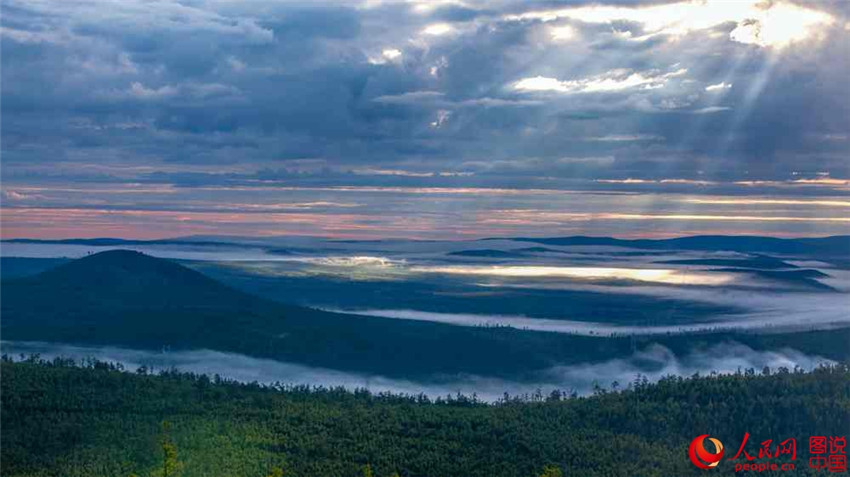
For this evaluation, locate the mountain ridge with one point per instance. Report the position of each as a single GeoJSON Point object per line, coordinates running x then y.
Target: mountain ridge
{"type": "Point", "coordinates": [834, 244]}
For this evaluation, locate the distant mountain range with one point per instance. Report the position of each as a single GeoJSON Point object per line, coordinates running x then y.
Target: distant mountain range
{"type": "Point", "coordinates": [838, 245]}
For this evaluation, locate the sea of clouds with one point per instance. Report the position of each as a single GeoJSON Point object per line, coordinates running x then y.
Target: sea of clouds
{"type": "Point", "coordinates": [652, 363]}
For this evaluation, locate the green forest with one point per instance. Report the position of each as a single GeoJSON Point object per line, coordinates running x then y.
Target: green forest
{"type": "Point", "coordinates": [107, 299]}
{"type": "Point", "coordinates": [61, 418]}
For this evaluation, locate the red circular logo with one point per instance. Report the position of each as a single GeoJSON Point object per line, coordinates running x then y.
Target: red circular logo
{"type": "Point", "coordinates": [701, 457]}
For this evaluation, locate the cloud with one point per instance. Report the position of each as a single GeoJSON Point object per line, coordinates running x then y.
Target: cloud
{"type": "Point", "coordinates": [441, 118]}
{"type": "Point", "coordinates": [207, 93]}
{"type": "Point", "coordinates": [19, 196]}
{"type": "Point", "coordinates": [718, 86]}
{"type": "Point", "coordinates": [711, 109]}
{"type": "Point", "coordinates": [391, 54]}
{"type": "Point", "coordinates": [438, 99]}
{"type": "Point", "coordinates": [411, 97]}
{"type": "Point", "coordinates": [139, 90]}
{"type": "Point", "coordinates": [236, 64]}
{"type": "Point", "coordinates": [823, 181]}
{"type": "Point", "coordinates": [562, 33]}
{"type": "Point", "coordinates": [392, 172]}
{"type": "Point", "coordinates": [778, 25]}
{"type": "Point", "coordinates": [388, 55]}
{"type": "Point", "coordinates": [438, 29]}
{"type": "Point", "coordinates": [612, 81]}
{"type": "Point", "coordinates": [30, 37]}
{"type": "Point", "coordinates": [626, 138]}
{"type": "Point", "coordinates": [775, 24]}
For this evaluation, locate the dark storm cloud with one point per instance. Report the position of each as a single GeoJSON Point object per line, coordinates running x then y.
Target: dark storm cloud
{"type": "Point", "coordinates": [299, 80]}
{"type": "Point", "coordinates": [418, 94]}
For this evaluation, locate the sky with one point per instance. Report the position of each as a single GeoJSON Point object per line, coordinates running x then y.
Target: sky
{"type": "Point", "coordinates": [416, 119]}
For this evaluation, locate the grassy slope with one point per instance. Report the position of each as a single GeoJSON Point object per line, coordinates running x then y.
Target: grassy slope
{"type": "Point", "coordinates": [69, 421]}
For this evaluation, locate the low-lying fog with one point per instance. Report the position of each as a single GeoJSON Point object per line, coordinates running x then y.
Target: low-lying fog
{"type": "Point", "coordinates": [654, 363]}
{"type": "Point", "coordinates": [773, 313]}
{"type": "Point", "coordinates": [799, 293]}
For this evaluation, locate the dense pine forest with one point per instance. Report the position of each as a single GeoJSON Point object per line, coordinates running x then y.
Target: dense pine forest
{"type": "Point", "coordinates": [61, 418]}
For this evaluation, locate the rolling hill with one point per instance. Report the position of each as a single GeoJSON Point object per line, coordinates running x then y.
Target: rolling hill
{"type": "Point", "coordinates": [132, 300]}
{"type": "Point", "coordinates": [132, 281]}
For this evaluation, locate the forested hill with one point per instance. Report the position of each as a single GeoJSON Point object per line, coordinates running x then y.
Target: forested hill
{"type": "Point", "coordinates": [127, 299]}
{"type": "Point", "coordinates": [59, 419]}
{"type": "Point", "coordinates": [125, 280]}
